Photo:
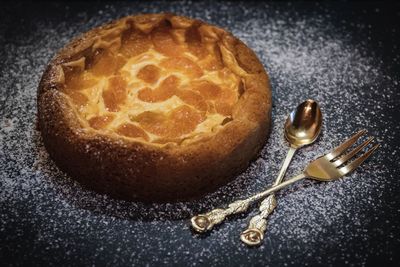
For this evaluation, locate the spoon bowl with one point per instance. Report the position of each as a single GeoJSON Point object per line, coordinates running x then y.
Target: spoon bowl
{"type": "Point", "coordinates": [303, 125]}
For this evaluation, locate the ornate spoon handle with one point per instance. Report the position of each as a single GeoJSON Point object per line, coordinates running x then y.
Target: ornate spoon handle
{"type": "Point", "coordinates": [254, 233]}
{"type": "Point", "coordinates": [204, 222]}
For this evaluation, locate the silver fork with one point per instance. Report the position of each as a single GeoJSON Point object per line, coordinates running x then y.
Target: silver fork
{"type": "Point", "coordinates": [326, 168]}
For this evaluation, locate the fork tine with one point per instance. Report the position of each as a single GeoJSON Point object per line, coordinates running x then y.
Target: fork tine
{"type": "Point", "coordinates": [348, 156]}
{"type": "Point", "coordinates": [353, 165]}
{"type": "Point", "coordinates": [345, 145]}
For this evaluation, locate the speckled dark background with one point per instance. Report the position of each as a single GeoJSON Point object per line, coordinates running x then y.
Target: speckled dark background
{"type": "Point", "coordinates": [345, 55]}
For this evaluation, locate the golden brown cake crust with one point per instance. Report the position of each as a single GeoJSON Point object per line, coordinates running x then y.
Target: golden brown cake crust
{"type": "Point", "coordinates": [132, 170]}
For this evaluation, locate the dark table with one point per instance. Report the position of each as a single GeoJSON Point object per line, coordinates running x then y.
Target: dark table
{"type": "Point", "coordinates": [344, 55]}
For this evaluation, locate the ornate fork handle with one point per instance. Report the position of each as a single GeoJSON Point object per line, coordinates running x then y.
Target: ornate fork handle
{"type": "Point", "coordinates": [204, 222]}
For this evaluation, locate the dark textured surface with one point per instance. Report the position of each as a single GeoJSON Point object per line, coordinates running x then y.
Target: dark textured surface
{"type": "Point", "coordinates": [346, 56]}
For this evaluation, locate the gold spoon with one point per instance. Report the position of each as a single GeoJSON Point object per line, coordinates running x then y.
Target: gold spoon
{"type": "Point", "coordinates": [327, 168]}
{"type": "Point", "coordinates": [302, 127]}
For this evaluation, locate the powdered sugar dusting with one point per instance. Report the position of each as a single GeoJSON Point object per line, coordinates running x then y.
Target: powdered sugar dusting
{"type": "Point", "coordinates": [306, 57]}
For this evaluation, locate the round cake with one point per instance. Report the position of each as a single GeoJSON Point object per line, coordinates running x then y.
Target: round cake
{"type": "Point", "coordinates": [154, 107]}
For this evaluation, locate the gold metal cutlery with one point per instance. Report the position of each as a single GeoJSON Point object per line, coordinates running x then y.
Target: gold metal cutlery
{"type": "Point", "coordinates": [327, 168]}
{"type": "Point", "coordinates": [302, 127]}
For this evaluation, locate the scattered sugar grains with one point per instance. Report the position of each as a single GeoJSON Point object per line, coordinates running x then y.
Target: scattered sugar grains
{"type": "Point", "coordinates": [305, 57]}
